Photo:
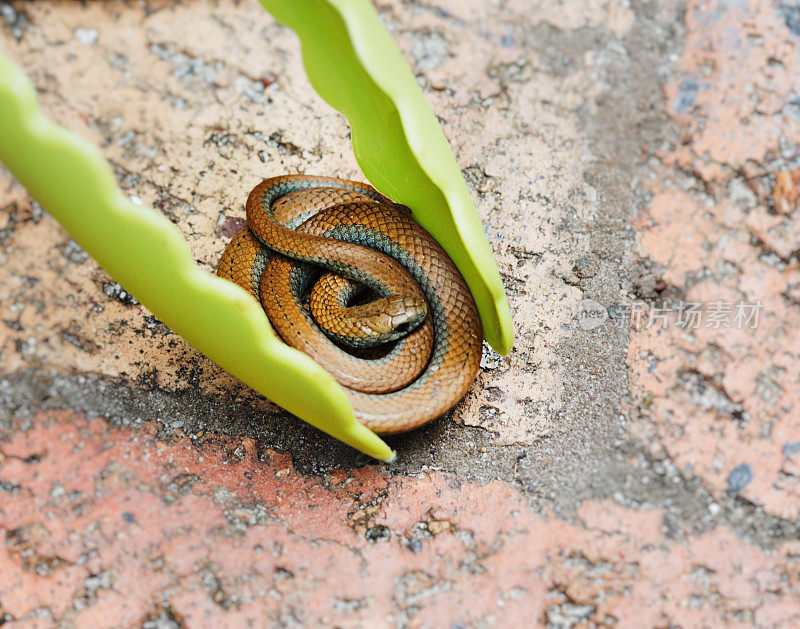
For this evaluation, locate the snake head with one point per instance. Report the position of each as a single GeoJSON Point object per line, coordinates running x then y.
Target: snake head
{"type": "Point", "coordinates": [362, 325]}
{"type": "Point", "coordinates": [389, 318]}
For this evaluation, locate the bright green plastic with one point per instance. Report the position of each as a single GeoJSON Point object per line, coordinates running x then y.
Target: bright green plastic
{"type": "Point", "coordinates": [147, 255]}
{"type": "Point", "coordinates": [398, 145]}
{"type": "Point", "coordinates": [354, 65]}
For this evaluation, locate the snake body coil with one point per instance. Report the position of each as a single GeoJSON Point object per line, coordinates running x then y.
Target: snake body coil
{"type": "Point", "coordinates": [405, 357]}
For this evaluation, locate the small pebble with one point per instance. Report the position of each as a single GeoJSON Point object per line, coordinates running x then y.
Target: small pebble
{"type": "Point", "coordinates": [86, 36]}
{"type": "Point", "coordinates": [740, 476]}
{"type": "Point", "coordinates": [790, 448]}
{"type": "Point", "coordinates": [586, 266]}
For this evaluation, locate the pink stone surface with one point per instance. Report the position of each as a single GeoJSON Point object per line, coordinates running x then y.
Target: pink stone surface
{"type": "Point", "coordinates": [106, 526]}
{"type": "Point", "coordinates": [734, 244]}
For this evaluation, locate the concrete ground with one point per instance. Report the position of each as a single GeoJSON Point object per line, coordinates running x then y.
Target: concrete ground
{"type": "Point", "coordinates": [634, 462]}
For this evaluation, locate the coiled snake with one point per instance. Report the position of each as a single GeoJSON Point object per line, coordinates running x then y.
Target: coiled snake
{"type": "Point", "coordinates": [406, 356]}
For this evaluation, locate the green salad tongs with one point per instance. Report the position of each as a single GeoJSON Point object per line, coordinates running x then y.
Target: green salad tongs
{"type": "Point", "coordinates": [354, 65]}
